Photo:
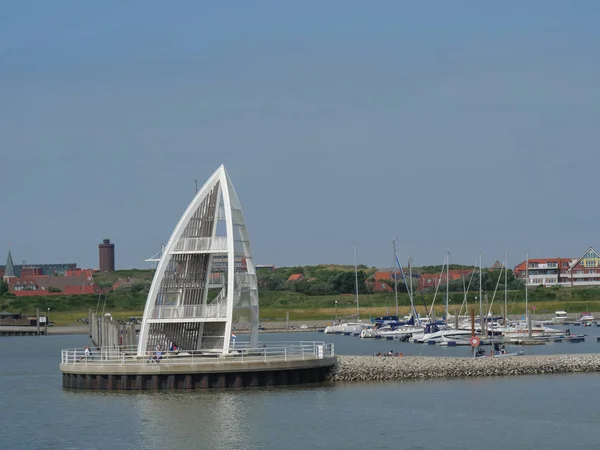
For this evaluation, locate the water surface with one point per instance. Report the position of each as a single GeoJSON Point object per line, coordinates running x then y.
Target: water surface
{"type": "Point", "coordinates": [551, 412]}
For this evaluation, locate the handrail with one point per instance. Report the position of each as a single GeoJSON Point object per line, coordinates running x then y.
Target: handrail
{"type": "Point", "coordinates": [201, 244]}
{"type": "Point", "coordinates": [212, 311]}
{"type": "Point", "coordinates": [239, 353]}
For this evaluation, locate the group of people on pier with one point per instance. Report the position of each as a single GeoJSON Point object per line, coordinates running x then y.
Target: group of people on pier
{"type": "Point", "coordinates": [390, 353]}
{"type": "Point", "coordinates": [154, 356]}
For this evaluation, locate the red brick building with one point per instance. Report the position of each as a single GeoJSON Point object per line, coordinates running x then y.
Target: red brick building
{"type": "Point", "coordinates": [432, 280]}
{"type": "Point", "coordinates": [45, 285]}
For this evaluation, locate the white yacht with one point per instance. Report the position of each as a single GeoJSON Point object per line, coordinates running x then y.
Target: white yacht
{"type": "Point", "coordinates": [437, 333]}
{"type": "Point", "coordinates": [520, 330]}
{"type": "Point", "coordinates": [586, 317]}
{"type": "Point", "coordinates": [559, 317]}
{"type": "Point", "coordinates": [350, 327]}
{"type": "Point", "coordinates": [390, 331]}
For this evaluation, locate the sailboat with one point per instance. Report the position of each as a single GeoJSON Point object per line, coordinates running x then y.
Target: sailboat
{"type": "Point", "coordinates": [350, 327]}
{"type": "Point", "coordinates": [400, 329]}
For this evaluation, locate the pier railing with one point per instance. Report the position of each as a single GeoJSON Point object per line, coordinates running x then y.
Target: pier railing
{"type": "Point", "coordinates": [241, 353]}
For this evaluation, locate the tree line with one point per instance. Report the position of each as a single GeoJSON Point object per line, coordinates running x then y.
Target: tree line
{"type": "Point", "coordinates": [325, 281]}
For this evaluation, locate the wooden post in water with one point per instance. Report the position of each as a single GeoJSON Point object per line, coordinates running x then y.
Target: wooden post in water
{"type": "Point", "coordinates": [37, 314]}
{"type": "Point", "coordinates": [529, 324]}
{"type": "Point", "coordinates": [455, 319]}
{"type": "Point", "coordinates": [90, 320]}
{"type": "Point", "coordinates": [473, 326]}
{"type": "Point", "coordinates": [484, 330]}
{"type": "Point", "coordinates": [287, 320]}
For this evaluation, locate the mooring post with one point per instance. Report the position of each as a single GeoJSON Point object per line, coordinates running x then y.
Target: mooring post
{"type": "Point", "coordinates": [455, 319]}
{"type": "Point", "coordinates": [37, 314]}
{"type": "Point", "coordinates": [287, 320]}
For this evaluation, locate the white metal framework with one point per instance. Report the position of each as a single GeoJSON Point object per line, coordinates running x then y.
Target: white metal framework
{"type": "Point", "coordinates": [205, 279]}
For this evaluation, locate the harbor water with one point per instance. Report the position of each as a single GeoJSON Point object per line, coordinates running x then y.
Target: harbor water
{"type": "Point", "coordinates": [549, 411]}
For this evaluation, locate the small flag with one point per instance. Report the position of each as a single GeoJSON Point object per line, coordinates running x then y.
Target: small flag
{"type": "Point", "coordinates": [233, 335]}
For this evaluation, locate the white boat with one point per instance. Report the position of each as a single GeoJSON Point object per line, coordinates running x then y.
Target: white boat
{"type": "Point", "coordinates": [350, 327]}
{"type": "Point", "coordinates": [586, 317]}
{"type": "Point", "coordinates": [437, 333]}
{"type": "Point", "coordinates": [520, 329]}
{"type": "Point", "coordinates": [389, 331]}
{"type": "Point", "coordinates": [559, 317]}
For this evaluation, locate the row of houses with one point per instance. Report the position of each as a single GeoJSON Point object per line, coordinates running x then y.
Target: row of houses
{"type": "Point", "coordinates": [583, 271]}
{"type": "Point", "coordinates": [572, 272]}
{"type": "Point", "coordinates": [382, 280]}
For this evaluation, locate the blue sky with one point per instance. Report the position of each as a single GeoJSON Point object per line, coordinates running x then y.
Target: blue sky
{"type": "Point", "coordinates": [458, 125]}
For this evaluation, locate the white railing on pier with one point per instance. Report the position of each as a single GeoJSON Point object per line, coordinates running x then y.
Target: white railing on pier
{"type": "Point", "coordinates": [239, 353]}
{"type": "Point", "coordinates": [211, 311]}
{"type": "Point", "coordinates": [201, 244]}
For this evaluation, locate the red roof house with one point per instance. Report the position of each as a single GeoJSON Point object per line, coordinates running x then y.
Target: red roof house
{"type": "Point", "coordinates": [296, 277]}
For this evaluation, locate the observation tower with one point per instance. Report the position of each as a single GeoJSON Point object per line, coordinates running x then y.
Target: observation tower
{"type": "Point", "coordinates": [205, 280]}
{"type": "Point", "coordinates": [204, 286]}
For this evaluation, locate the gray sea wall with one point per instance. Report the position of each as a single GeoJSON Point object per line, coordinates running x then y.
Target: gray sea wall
{"type": "Point", "coordinates": [378, 368]}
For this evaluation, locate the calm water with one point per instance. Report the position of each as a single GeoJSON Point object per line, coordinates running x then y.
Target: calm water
{"type": "Point", "coordinates": [550, 412]}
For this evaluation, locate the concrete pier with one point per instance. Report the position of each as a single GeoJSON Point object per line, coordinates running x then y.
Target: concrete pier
{"type": "Point", "coordinates": [221, 375]}
{"type": "Point", "coordinates": [113, 369]}
{"type": "Point", "coordinates": [377, 368]}
{"type": "Point", "coordinates": [21, 331]}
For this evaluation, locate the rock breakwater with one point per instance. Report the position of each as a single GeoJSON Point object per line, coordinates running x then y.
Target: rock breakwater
{"type": "Point", "coordinates": [377, 368]}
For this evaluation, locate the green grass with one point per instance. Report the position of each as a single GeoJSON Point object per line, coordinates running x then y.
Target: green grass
{"type": "Point", "coordinates": [110, 278]}
{"type": "Point", "coordinates": [65, 310]}
{"type": "Point", "coordinates": [63, 318]}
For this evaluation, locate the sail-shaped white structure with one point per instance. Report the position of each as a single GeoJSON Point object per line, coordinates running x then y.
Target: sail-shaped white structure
{"type": "Point", "coordinates": [205, 280]}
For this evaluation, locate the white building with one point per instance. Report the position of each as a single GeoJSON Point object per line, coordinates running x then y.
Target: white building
{"type": "Point", "coordinates": [183, 306]}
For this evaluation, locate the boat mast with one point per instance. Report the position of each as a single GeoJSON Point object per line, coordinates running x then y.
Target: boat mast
{"type": "Point", "coordinates": [480, 295]}
{"type": "Point", "coordinates": [505, 286]}
{"type": "Point", "coordinates": [396, 275]}
{"type": "Point", "coordinates": [447, 280]}
{"type": "Point", "coordinates": [356, 282]}
{"type": "Point", "coordinates": [526, 282]}
{"type": "Point", "coordinates": [412, 302]}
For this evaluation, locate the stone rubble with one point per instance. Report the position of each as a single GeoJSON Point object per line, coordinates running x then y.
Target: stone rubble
{"type": "Point", "coordinates": [382, 368]}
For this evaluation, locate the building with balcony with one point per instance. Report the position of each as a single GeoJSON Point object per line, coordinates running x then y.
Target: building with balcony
{"type": "Point", "coordinates": [572, 272]}
{"type": "Point", "coordinates": [585, 271]}
{"type": "Point", "coordinates": [544, 271]}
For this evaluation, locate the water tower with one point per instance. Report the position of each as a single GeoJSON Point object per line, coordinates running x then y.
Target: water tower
{"type": "Point", "coordinates": [106, 252]}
